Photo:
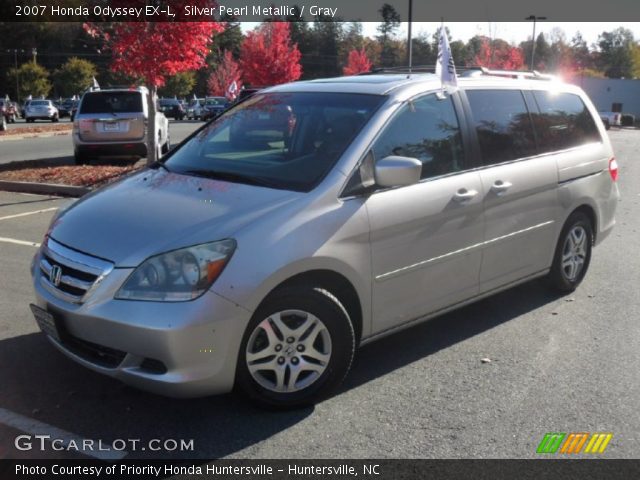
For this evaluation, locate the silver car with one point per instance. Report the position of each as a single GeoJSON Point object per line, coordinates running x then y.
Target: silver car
{"type": "Point", "coordinates": [318, 216]}
{"type": "Point", "coordinates": [115, 122]}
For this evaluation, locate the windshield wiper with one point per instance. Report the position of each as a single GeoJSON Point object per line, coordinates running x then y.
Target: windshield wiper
{"type": "Point", "coordinates": [234, 178]}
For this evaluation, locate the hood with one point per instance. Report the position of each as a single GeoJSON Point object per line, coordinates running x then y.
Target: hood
{"type": "Point", "coordinates": [155, 211]}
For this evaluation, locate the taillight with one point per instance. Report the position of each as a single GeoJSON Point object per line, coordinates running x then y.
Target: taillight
{"type": "Point", "coordinates": [613, 168]}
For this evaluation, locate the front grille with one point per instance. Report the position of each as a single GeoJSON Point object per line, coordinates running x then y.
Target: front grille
{"type": "Point", "coordinates": [68, 274]}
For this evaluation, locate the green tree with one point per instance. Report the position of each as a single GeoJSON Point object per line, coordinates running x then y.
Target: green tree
{"type": "Point", "coordinates": [74, 76]}
{"type": "Point", "coordinates": [616, 53]}
{"type": "Point", "coordinates": [387, 31]}
{"type": "Point", "coordinates": [179, 85]}
{"type": "Point", "coordinates": [33, 79]}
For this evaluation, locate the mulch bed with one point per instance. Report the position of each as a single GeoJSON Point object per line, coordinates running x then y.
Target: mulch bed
{"type": "Point", "coordinates": [76, 175]}
{"type": "Point", "coordinates": [35, 129]}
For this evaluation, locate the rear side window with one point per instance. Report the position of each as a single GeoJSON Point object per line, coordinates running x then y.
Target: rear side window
{"type": "Point", "coordinates": [503, 125]}
{"type": "Point", "coordinates": [563, 121]}
{"type": "Point", "coordinates": [111, 102]}
{"type": "Point", "coordinates": [426, 129]}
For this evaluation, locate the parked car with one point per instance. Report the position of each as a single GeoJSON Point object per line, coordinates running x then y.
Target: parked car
{"type": "Point", "coordinates": [321, 216]}
{"type": "Point", "coordinates": [611, 119]}
{"type": "Point", "coordinates": [66, 107]}
{"type": "Point", "coordinates": [41, 110]}
{"type": "Point", "coordinates": [213, 107]}
{"type": "Point", "coordinates": [114, 122]}
{"type": "Point", "coordinates": [194, 109]}
{"type": "Point", "coordinates": [172, 108]}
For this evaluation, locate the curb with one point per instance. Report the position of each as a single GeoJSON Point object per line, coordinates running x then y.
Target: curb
{"type": "Point", "coordinates": [44, 188]}
{"type": "Point", "coordinates": [6, 138]}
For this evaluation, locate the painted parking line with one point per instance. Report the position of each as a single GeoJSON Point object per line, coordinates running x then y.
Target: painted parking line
{"type": "Point", "coordinates": [29, 213]}
{"type": "Point", "coordinates": [19, 242]}
{"type": "Point", "coordinates": [62, 437]}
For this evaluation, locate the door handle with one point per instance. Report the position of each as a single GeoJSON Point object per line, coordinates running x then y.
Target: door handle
{"type": "Point", "coordinates": [464, 195]}
{"type": "Point", "coordinates": [500, 187]}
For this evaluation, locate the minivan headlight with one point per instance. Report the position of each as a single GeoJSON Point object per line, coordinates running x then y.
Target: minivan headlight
{"type": "Point", "coordinates": [179, 275]}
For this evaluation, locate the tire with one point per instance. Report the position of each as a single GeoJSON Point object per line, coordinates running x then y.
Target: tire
{"type": "Point", "coordinates": [80, 159]}
{"type": "Point", "coordinates": [573, 253]}
{"type": "Point", "coordinates": [3, 123]}
{"type": "Point", "coordinates": [317, 334]}
{"type": "Point", "coordinates": [54, 119]}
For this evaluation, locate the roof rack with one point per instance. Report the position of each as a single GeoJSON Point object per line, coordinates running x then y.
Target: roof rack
{"type": "Point", "coordinates": [465, 71]}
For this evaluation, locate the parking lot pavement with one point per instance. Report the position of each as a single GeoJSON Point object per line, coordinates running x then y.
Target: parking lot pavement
{"type": "Point", "coordinates": [557, 364]}
{"type": "Point", "coordinates": [59, 148]}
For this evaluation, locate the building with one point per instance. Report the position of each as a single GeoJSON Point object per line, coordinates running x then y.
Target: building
{"type": "Point", "coordinates": [612, 94]}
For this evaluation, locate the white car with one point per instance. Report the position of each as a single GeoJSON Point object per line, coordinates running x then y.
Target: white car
{"type": "Point", "coordinates": [41, 110]}
{"type": "Point", "coordinates": [611, 119]}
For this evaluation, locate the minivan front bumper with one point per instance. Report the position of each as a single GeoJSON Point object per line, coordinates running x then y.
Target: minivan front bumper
{"type": "Point", "coordinates": [179, 349]}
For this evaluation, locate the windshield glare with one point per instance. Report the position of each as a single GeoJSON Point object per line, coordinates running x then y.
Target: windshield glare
{"type": "Point", "coordinates": [286, 140]}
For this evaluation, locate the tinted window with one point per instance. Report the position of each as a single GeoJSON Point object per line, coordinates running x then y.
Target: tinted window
{"type": "Point", "coordinates": [426, 129]}
{"type": "Point", "coordinates": [503, 125]}
{"type": "Point", "coordinates": [283, 140]}
{"type": "Point", "coordinates": [563, 121]}
{"type": "Point", "coordinates": [111, 102]}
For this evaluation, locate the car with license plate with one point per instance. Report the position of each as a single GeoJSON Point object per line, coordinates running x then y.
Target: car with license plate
{"type": "Point", "coordinates": [115, 122]}
{"type": "Point", "coordinates": [318, 216]}
{"type": "Point", "coordinates": [41, 110]}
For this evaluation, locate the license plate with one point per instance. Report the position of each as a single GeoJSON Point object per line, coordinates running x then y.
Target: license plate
{"type": "Point", "coordinates": [111, 127]}
{"type": "Point", "coordinates": [46, 322]}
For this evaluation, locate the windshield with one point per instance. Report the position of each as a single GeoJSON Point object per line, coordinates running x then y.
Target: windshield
{"type": "Point", "coordinates": [111, 102]}
{"type": "Point", "coordinates": [39, 103]}
{"type": "Point", "coordinates": [216, 101]}
{"type": "Point", "coordinates": [280, 140]}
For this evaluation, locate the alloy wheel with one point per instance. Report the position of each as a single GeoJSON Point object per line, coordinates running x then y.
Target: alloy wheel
{"type": "Point", "coordinates": [288, 351]}
{"type": "Point", "coordinates": [574, 252]}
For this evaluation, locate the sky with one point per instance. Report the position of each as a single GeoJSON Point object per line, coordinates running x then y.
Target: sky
{"type": "Point", "coordinates": [512, 32]}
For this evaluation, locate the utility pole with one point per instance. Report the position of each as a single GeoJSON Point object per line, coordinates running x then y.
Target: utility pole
{"type": "Point", "coordinates": [533, 37]}
{"type": "Point", "coordinates": [409, 39]}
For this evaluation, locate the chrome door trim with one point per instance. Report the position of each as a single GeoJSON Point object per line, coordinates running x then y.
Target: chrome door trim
{"type": "Point", "coordinates": [393, 273]}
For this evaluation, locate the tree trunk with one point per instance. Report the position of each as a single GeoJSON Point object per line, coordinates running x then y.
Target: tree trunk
{"type": "Point", "coordinates": [152, 130]}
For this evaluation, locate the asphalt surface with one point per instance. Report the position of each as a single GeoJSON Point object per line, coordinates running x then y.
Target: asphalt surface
{"type": "Point", "coordinates": [59, 148]}
{"type": "Point", "coordinates": [558, 364]}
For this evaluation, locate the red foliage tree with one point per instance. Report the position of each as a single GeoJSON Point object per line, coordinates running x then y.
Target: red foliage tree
{"type": "Point", "coordinates": [152, 50]}
{"type": "Point", "coordinates": [499, 55]}
{"type": "Point", "coordinates": [268, 57]}
{"type": "Point", "coordinates": [227, 72]}
{"type": "Point", "coordinates": [358, 62]}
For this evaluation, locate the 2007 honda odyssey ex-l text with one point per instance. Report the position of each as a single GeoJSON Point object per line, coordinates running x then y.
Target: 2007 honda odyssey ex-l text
{"type": "Point", "coordinates": [318, 216]}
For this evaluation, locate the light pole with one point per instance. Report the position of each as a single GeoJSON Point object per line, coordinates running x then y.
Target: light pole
{"type": "Point", "coordinates": [409, 40]}
{"type": "Point", "coordinates": [533, 37]}
{"type": "Point", "coordinates": [34, 52]}
{"type": "Point", "coordinates": [15, 62]}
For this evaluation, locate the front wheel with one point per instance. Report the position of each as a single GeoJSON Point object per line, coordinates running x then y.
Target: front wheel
{"type": "Point", "coordinates": [298, 347]}
{"type": "Point", "coordinates": [573, 253]}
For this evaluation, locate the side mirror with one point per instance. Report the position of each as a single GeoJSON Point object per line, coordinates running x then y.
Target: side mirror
{"type": "Point", "coordinates": [395, 171]}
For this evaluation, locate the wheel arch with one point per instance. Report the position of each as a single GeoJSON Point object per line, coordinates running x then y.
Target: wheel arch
{"type": "Point", "coordinates": [335, 283]}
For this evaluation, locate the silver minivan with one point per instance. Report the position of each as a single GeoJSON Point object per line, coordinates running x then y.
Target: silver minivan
{"type": "Point", "coordinates": [318, 216]}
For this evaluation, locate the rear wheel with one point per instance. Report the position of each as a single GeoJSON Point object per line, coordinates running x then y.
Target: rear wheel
{"type": "Point", "coordinates": [54, 119]}
{"type": "Point", "coordinates": [298, 347]}
{"type": "Point", "coordinates": [573, 253]}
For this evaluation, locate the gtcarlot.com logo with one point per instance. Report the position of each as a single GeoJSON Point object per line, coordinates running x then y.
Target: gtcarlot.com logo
{"type": "Point", "coordinates": [574, 442]}
{"type": "Point", "coordinates": [40, 442]}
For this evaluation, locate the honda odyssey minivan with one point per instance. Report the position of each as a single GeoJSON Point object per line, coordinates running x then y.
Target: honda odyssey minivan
{"type": "Point", "coordinates": [318, 216]}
